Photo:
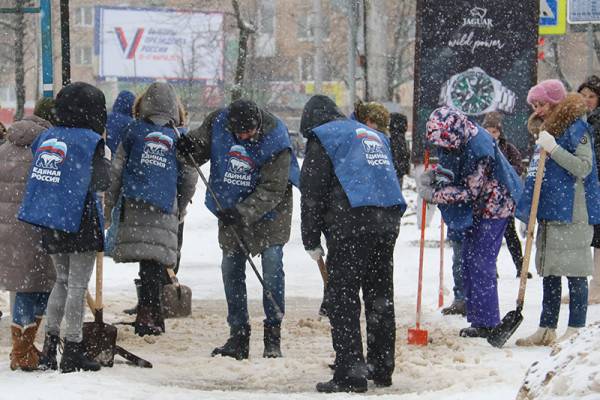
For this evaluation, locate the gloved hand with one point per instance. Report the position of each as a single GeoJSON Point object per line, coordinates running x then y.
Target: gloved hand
{"type": "Point", "coordinates": [230, 216]}
{"type": "Point", "coordinates": [316, 253]}
{"type": "Point", "coordinates": [546, 141]}
{"type": "Point", "coordinates": [185, 146]}
{"type": "Point", "coordinates": [426, 193]}
{"type": "Point", "coordinates": [107, 153]}
{"type": "Point", "coordinates": [427, 178]}
{"type": "Point", "coordinates": [443, 176]}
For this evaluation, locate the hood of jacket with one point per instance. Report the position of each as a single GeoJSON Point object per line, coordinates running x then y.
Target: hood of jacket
{"type": "Point", "coordinates": [22, 133]}
{"type": "Point", "coordinates": [158, 104]}
{"type": "Point", "coordinates": [449, 128]}
{"type": "Point", "coordinates": [318, 110]}
{"type": "Point", "coordinates": [124, 103]}
{"type": "Point", "coordinates": [565, 114]}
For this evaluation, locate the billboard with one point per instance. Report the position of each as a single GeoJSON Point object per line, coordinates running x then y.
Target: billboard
{"type": "Point", "coordinates": [478, 56]}
{"type": "Point", "coordinates": [137, 43]}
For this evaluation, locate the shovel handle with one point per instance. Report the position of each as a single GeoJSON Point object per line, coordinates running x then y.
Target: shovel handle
{"type": "Point", "coordinates": [90, 302]}
{"type": "Point", "coordinates": [422, 246]}
{"type": "Point", "coordinates": [99, 272]}
{"type": "Point", "coordinates": [442, 244]}
{"type": "Point", "coordinates": [323, 270]}
{"type": "Point", "coordinates": [537, 187]}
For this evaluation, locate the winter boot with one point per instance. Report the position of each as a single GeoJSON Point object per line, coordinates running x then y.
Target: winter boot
{"type": "Point", "coordinates": [74, 359]}
{"type": "Point", "coordinates": [472, 331]}
{"type": "Point", "coordinates": [332, 386]}
{"type": "Point", "coordinates": [272, 341]}
{"type": "Point", "coordinates": [457, 307]}
{"type": "Point", "coordinates": [238, 344]}
{"type": "Point", "coordinates": [594, 291]}
{"type": "Point", "coordinates": [48, 357]}
{"type": "Point", "coordinates": [145, 322]}
{"type": "Point", "coordinates": [541, 337]}
{"type": "Point", "coordinates": [23, 355]}
{"type": "Point", "coordinates": [571, 331]}
{"type": "Point", "coordinates": [138, 286]}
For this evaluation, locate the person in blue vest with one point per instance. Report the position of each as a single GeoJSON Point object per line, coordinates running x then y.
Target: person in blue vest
{"type": "Point", "coordinates": [252, 172]}
{"type": "Point", "coordinates": [479, 200]}
{"type": "Point", "coordinates": [154, 188]}
{"type": "Point", "coordinates": [569, 206]}
{"type": "Point", "coordinates": [70, 165]}
{"type": "Point", "coordinates": [118, 118]}
{"type": "Point", "coordinates": [351, 195]}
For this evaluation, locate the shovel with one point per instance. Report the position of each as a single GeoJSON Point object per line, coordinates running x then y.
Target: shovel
{"type": "Point", "coordinates": [175, 298]}
{"type": "Point", "coordinates": [325, 303]}
{"type": "Point", "coordinates": [100, 339]}
{"type": "Point", "coordinates": [418, 336]}
{"type": "Point", "coordinates": [513, 319]}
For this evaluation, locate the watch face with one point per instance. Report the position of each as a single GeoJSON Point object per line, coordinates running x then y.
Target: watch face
{"type": "Point", "coordinates": [472, 92]}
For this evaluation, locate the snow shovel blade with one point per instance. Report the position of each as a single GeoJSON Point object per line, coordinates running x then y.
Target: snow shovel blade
{"type": "Point", "coordinates": [506, 328]}
{"type": "Point", "coordinates": [417, 337]}
{"type": "Point", "coordinates": [176, 301]}
{"type": "Point", "coordinates": [100, 340]}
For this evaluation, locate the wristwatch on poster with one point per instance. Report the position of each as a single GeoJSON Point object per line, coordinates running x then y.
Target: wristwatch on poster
{"type": "Point", "coordinates": [474, 92]}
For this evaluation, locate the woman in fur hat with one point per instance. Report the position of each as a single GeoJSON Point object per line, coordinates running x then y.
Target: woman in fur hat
{"type": "Point", "coordinates": [568, 206]}
{"type": "Point", "coordinates": [590, 90]}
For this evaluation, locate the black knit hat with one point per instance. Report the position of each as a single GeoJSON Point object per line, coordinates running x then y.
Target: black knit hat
{"type": "Point", "coordinates": [244, 115]}
{"type": "Point", "coordinates": [592, 83]}
{"type": "Point", "coordinates": [81, 105]}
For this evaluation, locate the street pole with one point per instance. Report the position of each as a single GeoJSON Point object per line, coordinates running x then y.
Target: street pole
{"type": "Point", "coordinates": [318, 40]}
{"type": "Point", "coordinates": [65, 42]}
{"type": "Point", "coordinates": [47, 68]}
{"type": "Point", "coordinates": [590, 43]}
{"type": "Point", "coordinates": [352, 43]}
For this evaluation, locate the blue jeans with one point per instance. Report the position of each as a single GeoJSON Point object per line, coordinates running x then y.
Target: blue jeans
{"type": "Point", "coordinates": [457, 272]}
{"type": "Point", "coordinates": [233, 268]}
{"type": "Point", "coordinates": [28, 307]}
{"type": "Point", "coordinates": [578, 301]}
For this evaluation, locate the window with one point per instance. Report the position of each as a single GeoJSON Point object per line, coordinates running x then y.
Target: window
{"type": "Point", "coordinates": [266, 17]}
{"type": "Point", "coordinates": [306, 26]}
{"type": "Point", "coordinates": [82, 55]}
{"type": "Point", "coordinates": [84, 16]}
{"type": "Point", "coordinates": [305, 67]}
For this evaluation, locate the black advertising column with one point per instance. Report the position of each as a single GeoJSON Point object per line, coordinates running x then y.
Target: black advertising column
{"type": "Point", "coordinates": [477, 56]}
{"type": "Point", "coordinates": [65, 42]}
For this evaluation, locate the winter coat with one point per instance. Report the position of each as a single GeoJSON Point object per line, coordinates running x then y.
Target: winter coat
{"type": "Point", "coordinates": [593, 119]}
{"type": "Point", "coordinates": [145, 233]}
{"type": "Point", "coordinates": [80, 105]}
{"type": "Point", "coordinates": [325, 207]}
{"type": "Point", "coordinates": [120, 116]}
{"type": "Point", "coordinates": [400, 150]}
{"type": "Point", "coordinates": [563, 248]}
{"type": "Point", "coordinates": [25, 267]}
{"type": "Point", "coordinates": [273, 192]}
{"type": "Point", "coordinates": [512, 154]}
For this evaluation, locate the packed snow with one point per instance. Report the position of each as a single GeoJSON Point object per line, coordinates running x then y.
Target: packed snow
{"type": "Point", "coordinates": [449, 367]}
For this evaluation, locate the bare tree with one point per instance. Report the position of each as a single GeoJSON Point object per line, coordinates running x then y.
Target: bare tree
{"type": "Point", "coordinates": [400, 55]}
{"type": "Point", "coordinates": [246, 29]}
{"type": "Point", "coordinates": [553, 60]}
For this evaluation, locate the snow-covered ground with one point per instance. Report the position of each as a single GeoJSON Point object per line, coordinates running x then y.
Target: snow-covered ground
{"type": "Point", "coordinates": [450, 367]}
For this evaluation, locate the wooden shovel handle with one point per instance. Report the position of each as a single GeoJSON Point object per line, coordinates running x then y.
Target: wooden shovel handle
{"type": "Point", "coordinates": [99, 273]}
{"type": "Point", "coordinates": [537, 187]}
{"type": "Point", "coordinates": [323, 270]}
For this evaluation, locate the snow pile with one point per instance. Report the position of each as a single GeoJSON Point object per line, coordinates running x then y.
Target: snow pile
{"type": "Point", "coordinates": [571, 372]}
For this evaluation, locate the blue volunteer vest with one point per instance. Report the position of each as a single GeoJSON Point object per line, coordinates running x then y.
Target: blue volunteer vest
{"type": "Point", "coordinates": [235, 166]}
{"type": "Point", "coordinates": [463, 162]}
{"type": "Point", "coordinates": [362, 161]}
{"type": "Point", "coordinates": [558, 186]}
{"type": "Point", "coordinates": [59, 179]}
{"type": "Point", "coordinates": [151, 171]}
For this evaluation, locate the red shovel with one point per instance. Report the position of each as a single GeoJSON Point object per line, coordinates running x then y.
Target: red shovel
{"type": "Point", "coordinates": [418, 336]}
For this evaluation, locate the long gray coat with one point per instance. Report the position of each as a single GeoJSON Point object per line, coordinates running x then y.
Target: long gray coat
{"type": "Point", "coordinates": [24, 267]}
{"type": "Point", "coordinates": [146, 233]}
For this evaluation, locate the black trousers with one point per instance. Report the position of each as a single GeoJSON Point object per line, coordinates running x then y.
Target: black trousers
{"type": "Point", "coordinates": [152, 276]}
{"type": "Point", "coordinates": [363, 262]}
{"type": "Point", "coordinates": [514, 244]}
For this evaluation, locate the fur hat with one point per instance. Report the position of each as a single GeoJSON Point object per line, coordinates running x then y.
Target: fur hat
{"type": "Point", "coordinates": [549, 91]}
{"type": "Point", "coordinates": [592, 83]}
{"type": "Point", "coordinates": [493, 120]}
{"type": "Point", "coordinates": [374, 112]}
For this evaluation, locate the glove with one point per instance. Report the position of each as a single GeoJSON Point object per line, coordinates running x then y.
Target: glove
{"type": "Point", "coordinates": [546, 141]}
{"type": "Point", "coordinates": [316, 253]}
{"type": "Point", "coordinates": [426, 178]}
{"type": "Point", "coordinates": [426, 193]}
{"type": "Point", "coordinates": [443, 176]}
{"type": "Point", "coordinates": [185, 146]}
{"type": "Point", "coordinates": [107, 153]}
{"type": "Point", "coordinates": [230, 216]}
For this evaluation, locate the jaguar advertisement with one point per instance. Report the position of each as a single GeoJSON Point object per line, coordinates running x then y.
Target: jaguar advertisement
{"type": "Point", "coordinates": [477, 56]}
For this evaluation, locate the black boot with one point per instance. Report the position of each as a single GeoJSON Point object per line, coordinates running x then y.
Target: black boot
{"type": "Point", "coordinates": [456, 308]}
{"type": "Point", "coordinates": [48, 356]}
{"type": "Point", "coordinates": [238, 344]}
{"type": "Point", "coordinates": [146, 322]}
{"type": "Point", "coordinates": [133, 310]}
{"type": "Point", "coordinates": [356, 386]}
{"type": "Point", "coordinates": [272, 341]}
{"type": "Point", "coordinates": [475, 332]}
{"type": "Point", "coordinates": [74, 359]}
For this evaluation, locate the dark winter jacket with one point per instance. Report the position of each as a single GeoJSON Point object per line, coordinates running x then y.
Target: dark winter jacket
{"type": "Point", "coordinates": [273, 192]}
{"type": "Point", "coordinates": [594, 120]}
{"type": "Point", "coordinates": [324, 206]}
{"type": "Point", "coordinates": [80, 105]}
{"type": "Point", "coordinates": [25, 267]}
{"type": "Point", "coordinates": [120, 116]}
{"type": "Point", "coordinates": [400, 151]}
{"type": "Point", "coordinates": [512, 154]}
{"type": "Point", "coordinates": [145, 233]}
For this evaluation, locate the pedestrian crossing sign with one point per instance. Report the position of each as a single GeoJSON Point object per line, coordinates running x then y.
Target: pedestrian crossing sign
{"type": "Point", "coordinates": [553, 17]}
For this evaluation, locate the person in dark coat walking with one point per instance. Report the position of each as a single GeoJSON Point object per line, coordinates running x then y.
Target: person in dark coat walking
{"type": "Point", "coordinates": [360, 223]}
{"type": "Point", "coordinates": [252, 173]}
{"type": "Point", "coordinates": [70, 165]}
{"type": "Point", "coordinates": [590, 90]}
{"type": "Point", "coordinates": [493, 124]}
{"type": "Point", "coordinates": [119, 117]}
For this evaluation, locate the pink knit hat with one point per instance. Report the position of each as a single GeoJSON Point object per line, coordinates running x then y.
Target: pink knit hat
{"type": "Point", "coordinates": [548, 91]}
